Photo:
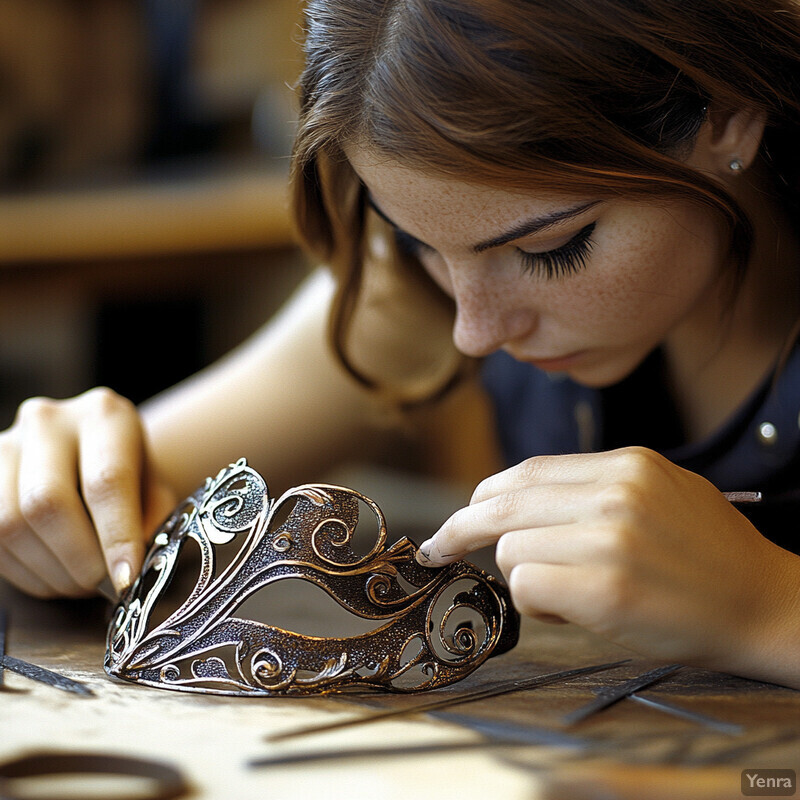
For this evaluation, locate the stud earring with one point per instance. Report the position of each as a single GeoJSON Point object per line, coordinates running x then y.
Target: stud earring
{"type": "Point", "coordinates": [736, 165]}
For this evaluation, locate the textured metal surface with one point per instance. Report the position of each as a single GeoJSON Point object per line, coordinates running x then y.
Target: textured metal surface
{"type": "Point", "coordinates": [426, 636]}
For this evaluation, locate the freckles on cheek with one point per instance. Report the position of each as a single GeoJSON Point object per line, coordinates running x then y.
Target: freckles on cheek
{"type": "Point", "coordinates": [635, 275]}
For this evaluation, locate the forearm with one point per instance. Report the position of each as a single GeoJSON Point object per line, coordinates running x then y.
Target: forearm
{"type": "Point", "coordinates": [280, 400]}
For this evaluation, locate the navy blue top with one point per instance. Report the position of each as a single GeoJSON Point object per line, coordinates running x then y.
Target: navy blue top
{"type": "Point", "coordinates": [757, 449]}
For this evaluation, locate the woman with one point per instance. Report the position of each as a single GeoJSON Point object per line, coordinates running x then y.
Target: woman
{"type": "Point", "coordinates": [597, 201]}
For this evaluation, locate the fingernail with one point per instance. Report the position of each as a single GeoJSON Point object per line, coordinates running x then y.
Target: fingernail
{"type": "Point", "coordinates": [122, 576]}
{"type": "Point", "coordinates": [424, 552]}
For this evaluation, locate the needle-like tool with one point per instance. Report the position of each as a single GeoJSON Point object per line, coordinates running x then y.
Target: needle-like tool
{"type": "Point", "coordinates": [499, 735]}
{"type": "Point", "coordinates": [446, 702]}
{"type": "Point", "coordinates": [607, 697]}
{"type": "Point", "coordinates": [42, 675]}
{"type": "Point", "coordinates": [32, 671]}
{"type": "Point", "coordinates": [729, 728]}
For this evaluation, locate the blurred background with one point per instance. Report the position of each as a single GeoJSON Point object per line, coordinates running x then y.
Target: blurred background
{"type": "Point", "coordinates": [144, 231]}
{"type": "Point", "coordinates": [143, 153]}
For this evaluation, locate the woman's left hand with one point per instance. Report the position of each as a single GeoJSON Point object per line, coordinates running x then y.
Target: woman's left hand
{"type": "Point", "coordinates": [649, 555]}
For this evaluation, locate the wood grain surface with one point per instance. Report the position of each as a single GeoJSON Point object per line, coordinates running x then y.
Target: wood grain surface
{"type": "Point", "coordinates": [627, 751]}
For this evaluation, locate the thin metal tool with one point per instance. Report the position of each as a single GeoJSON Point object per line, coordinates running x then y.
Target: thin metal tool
{"type": "Point", "coordinates": [42, 675]}
{"type": "Point", "coordinates": [353, 753]}
{"type": "Point", "coordinates": [446, 702]}
{"type": "Point", "coordinates": [500, 735]}
{"type": "Point", "coordinates": [729, 728]}
{"type": "Point", "coordinates": [607, 697]}
{"type": "Point", "coordinates": [514, 732]}
{"type": "Point", "coordinates": [32, 671]}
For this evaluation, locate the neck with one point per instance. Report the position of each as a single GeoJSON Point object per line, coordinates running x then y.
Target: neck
{"type": "Point", "coordinates": [730, 344]}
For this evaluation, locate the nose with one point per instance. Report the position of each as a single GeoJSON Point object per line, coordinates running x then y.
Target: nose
{"type": "Point", "coordinates": [487, 318]}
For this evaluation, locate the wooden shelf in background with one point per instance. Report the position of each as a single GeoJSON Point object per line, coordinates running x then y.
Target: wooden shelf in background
{"type": "Point", "coordinates": [221, 212]}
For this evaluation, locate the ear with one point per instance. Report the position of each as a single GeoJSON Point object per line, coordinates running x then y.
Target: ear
{"type": "Point", "coordinates": [728, 142]}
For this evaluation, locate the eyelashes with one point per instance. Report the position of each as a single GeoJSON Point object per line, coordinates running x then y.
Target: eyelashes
{"type": "Point", "coordinates": [568, 259]}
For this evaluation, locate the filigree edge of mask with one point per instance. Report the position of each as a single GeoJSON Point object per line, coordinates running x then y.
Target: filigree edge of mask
{"type": "Point", "coordinates": [184, 652]}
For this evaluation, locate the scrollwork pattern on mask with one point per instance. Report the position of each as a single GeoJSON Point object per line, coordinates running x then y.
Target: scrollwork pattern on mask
{"type": "Point", "coordinates": [434, 626]}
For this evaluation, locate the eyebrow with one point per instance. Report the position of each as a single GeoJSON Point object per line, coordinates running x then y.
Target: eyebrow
{"type": "Point", "coordinates": [534, 225]}
{"type": "Point", "coordinates": [526, 228]}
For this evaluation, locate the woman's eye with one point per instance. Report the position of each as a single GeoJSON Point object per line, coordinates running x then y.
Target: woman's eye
{"type": "Point", "coordinates": [565, 260]}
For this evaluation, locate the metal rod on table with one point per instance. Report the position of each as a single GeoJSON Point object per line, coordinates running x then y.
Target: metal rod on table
{"type": "Point", "coordinates": [608, 697]}
{"type": "Point", "coordinates": [42, 675]}
{"type": "Point", "coordinates": [445, 702]}
{"type": "Point", "coordinates": [729, 728]}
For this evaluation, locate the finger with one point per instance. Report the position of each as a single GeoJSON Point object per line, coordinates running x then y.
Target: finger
{"type": "Point", "coordinates": [159, 502]}
{"type": "Point", "coordinates": [111, 456]}
{"type": "Point", "coordinates": [159, 499]}
{"type": "Point", "coordinates": [578, 594]}
{"type": "Point", "coordinates": [17, 574]}
{"type": "Point", "coordinates": [536, 589]}
{"type": "Point", "coordinates": [58, 543]}
{"type": "Point", "coordinates": [550, 619]}
{"type": "Point", "coordinates": [12, 526]}
{"type": "Point", "coordinates": [483, 523]}
{"type": "Point", "coordinates": [627, 464]}
{"type": "Point", "coordinates": [561, 544]}
{"type": "Point", "coordinates": [568, 545]}
{"type": "Point", "coordinates": [563, 469]}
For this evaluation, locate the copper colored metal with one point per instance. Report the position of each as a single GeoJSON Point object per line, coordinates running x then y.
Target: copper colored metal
{"type": "Point", "coordinates": [435, 626]}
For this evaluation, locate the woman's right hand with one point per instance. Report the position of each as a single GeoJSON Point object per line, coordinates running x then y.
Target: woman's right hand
{"type": "Point", "coordinates": [78, 495]}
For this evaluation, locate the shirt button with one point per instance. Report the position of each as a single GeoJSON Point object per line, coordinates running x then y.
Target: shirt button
{"type": "Point", "coordinates": [767, 434]}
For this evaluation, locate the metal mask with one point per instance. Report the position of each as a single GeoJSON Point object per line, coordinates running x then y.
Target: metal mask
{"type": "Point", "coordinates": [432, 626]}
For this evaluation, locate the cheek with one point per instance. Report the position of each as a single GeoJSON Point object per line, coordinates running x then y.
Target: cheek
{"type": "Point", "coordinates": [651, 273]}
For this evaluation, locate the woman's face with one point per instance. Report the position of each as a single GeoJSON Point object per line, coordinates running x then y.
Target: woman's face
{"type": "Point", "coordinates": [568, 283]}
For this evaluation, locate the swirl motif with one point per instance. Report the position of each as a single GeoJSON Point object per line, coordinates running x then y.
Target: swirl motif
{"type": "Point", "coordinates": [266, 667]}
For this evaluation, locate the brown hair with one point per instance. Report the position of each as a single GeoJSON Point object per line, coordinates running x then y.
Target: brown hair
{"type": "Point", "coordinates": [600, 96]}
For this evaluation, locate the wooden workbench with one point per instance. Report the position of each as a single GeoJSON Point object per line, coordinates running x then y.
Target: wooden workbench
{"type": "Point", "coordinates": [635, 752]}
